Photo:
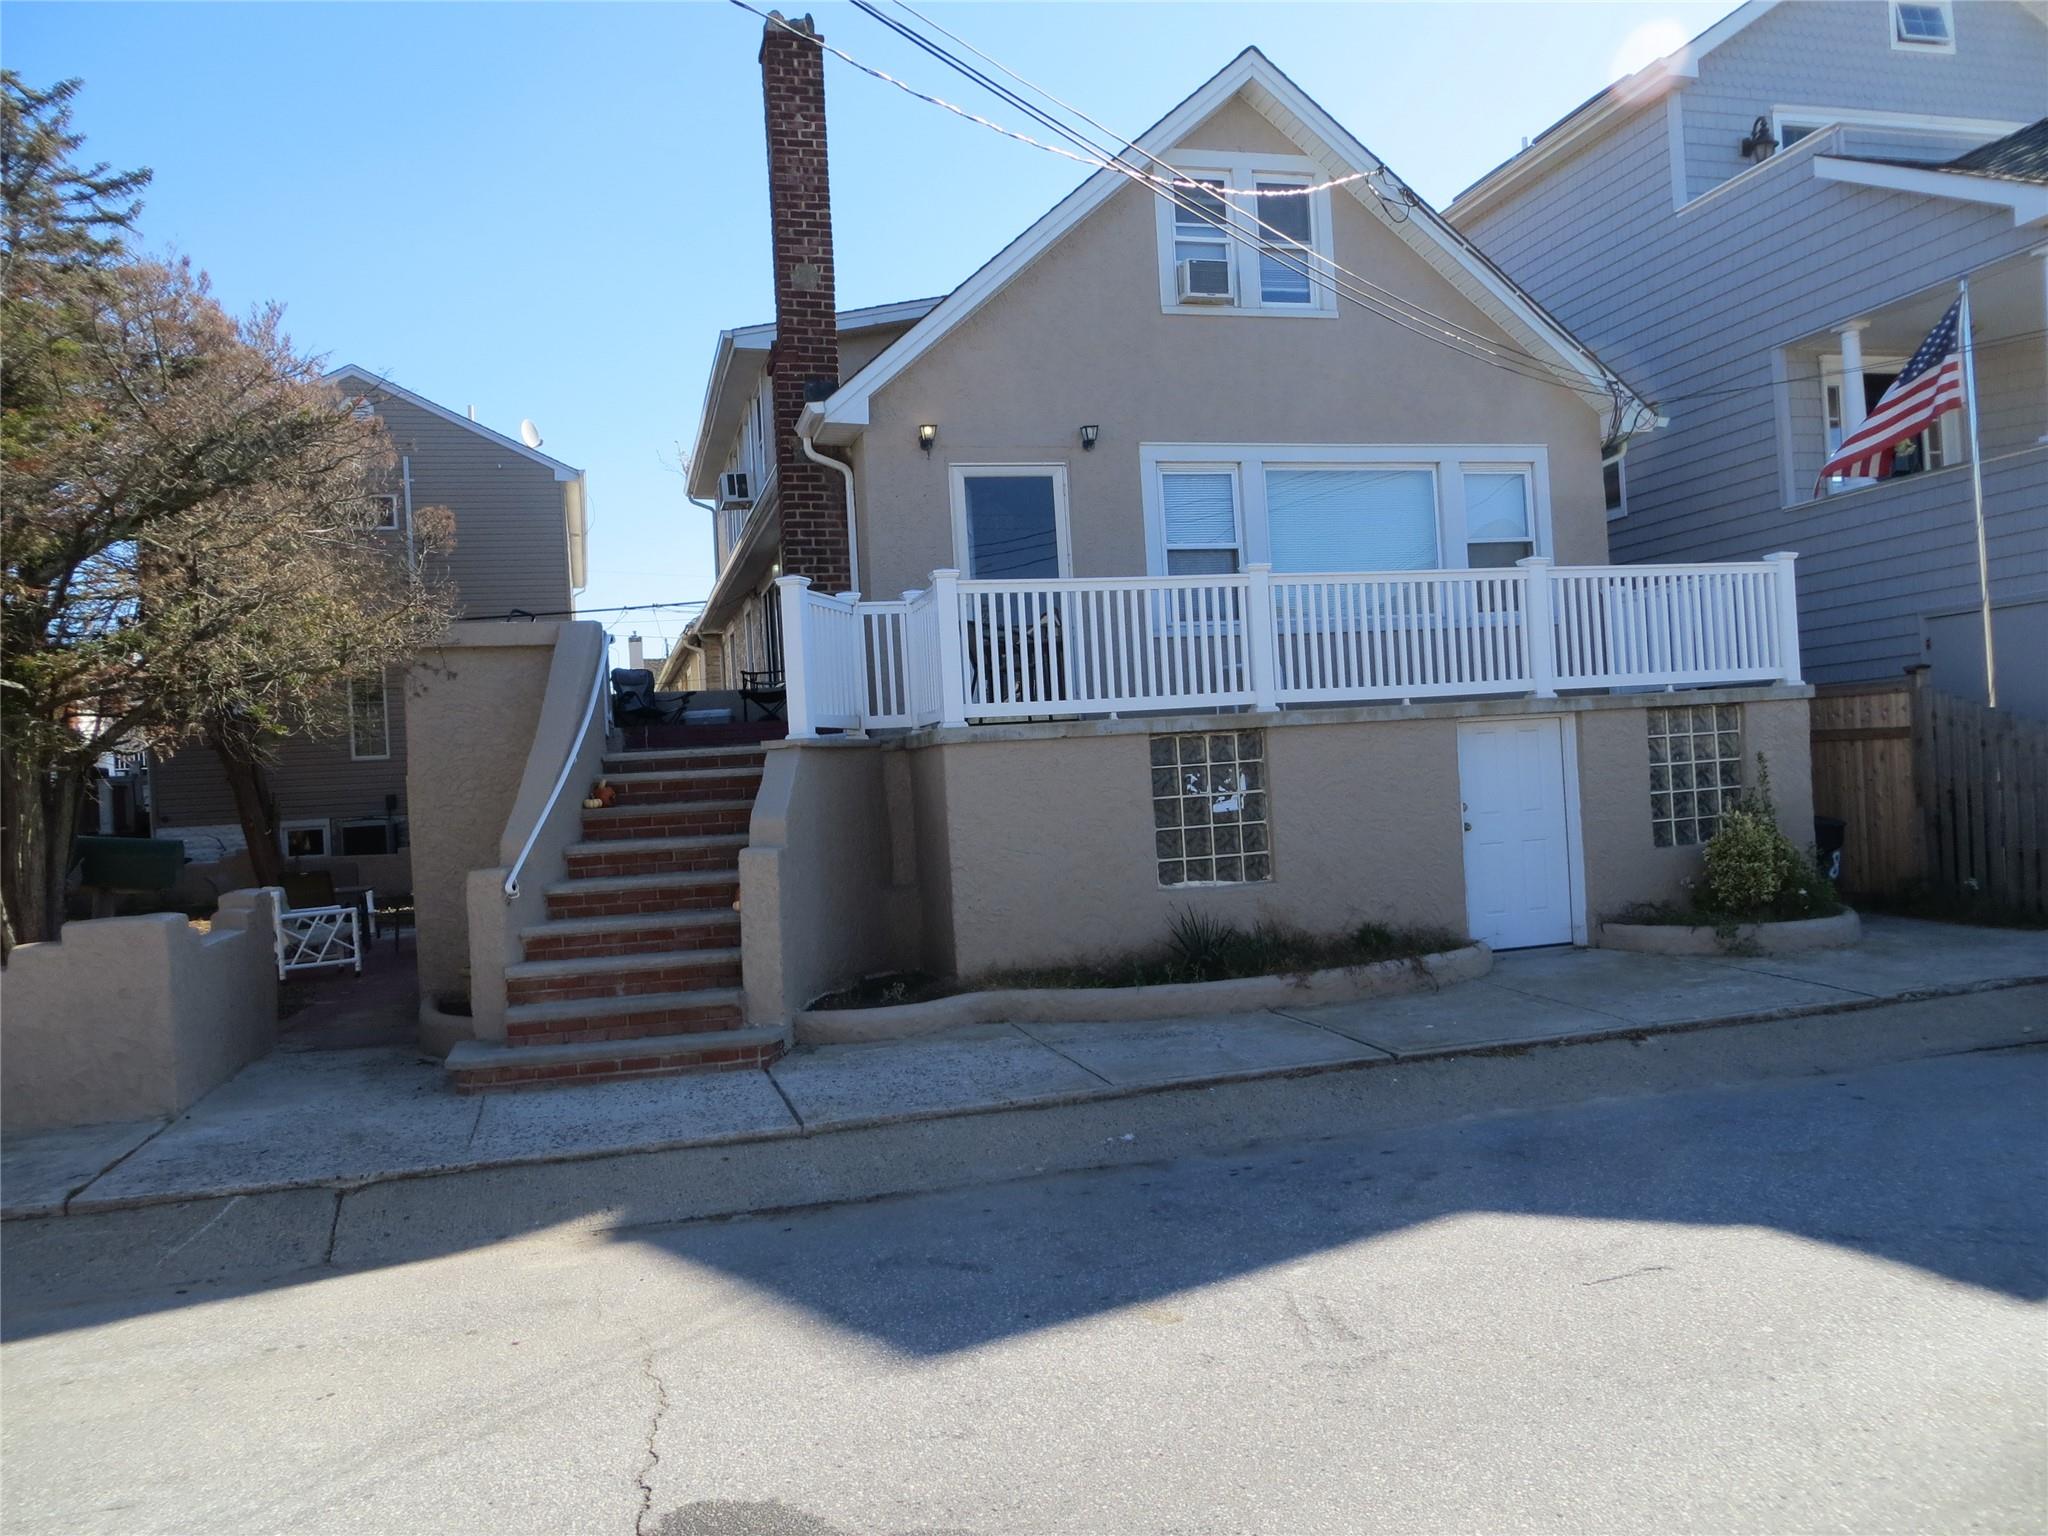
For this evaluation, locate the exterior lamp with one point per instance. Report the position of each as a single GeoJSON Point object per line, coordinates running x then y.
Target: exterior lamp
{"type": "Point", "coordinates": [926, 436]}
{"type": "Point", "coordinates": [1088, 436]}
{"type": "Point", "coordinates": [1761, 141]}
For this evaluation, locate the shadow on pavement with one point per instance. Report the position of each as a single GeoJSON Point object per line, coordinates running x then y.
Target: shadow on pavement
{"type": "Point", "coordinates": [1935, 1163]}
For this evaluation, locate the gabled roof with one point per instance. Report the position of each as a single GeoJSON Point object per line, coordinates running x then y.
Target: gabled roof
{"type": "Point", "coordinates": [349, 371]}
{"type": "Point", "coordinates": [714, 418]}
{"type": "Point", "coordinates": [575, 488]}
{"type": "Point", "coordinates": [1594, 113]}
{"type": "Point", "coordinates": [1323, 139]}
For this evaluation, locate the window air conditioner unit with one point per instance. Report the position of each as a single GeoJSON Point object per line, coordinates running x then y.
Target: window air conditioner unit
{"type": "Point", "coordinates": [733, 490]}
{"type": "Point", "coordinates": [1203, 280]}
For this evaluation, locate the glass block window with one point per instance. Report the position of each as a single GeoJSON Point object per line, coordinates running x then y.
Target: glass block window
{"type": "Point", "coordinates": [1209, 818]}
{"type": "Point", "coordinates": [1695, 771]}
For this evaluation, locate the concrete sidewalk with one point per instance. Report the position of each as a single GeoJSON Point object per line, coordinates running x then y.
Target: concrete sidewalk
{"type": "Point", "coordinates": [346, 1119]}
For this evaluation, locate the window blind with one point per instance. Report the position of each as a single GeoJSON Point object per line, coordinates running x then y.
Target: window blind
{"type": "Point", "coordinates": [1351, 519]}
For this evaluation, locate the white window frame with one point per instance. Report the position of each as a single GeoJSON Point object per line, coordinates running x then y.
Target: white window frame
{"type": "Point", "coordinates": [1946, 438]}
{"type": "Point", "coordinates": [1914, 45]}
{"type": "Point", "coordinates": [392, 826]}
{"type": "Point", "coordinates": [389, 523]}
{"type": "Point", "coordinates": [1446, 461]}
{"type": "Point", "coordinates": [1236, 506]}
{"type": "Point", "coordinates": [957, 476]}
{"type": "Point", "coordinates": [305, 824]}
{"type": "Point", "coordinates": [1240, 174]}
{"type": "Point", "coordinates": [1619, 460]}
{"type": "Point", "coordinates": [384, 703]}
{"type": "Point", "coordinates": [1528, 473]}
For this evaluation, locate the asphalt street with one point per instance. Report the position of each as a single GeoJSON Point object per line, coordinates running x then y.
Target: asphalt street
{"type": "Point", "coordinates": [1807, 1303]}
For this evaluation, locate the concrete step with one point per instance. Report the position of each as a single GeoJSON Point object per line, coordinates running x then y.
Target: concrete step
{"type": "Point", "coordinates": [699, 818]}
{"type": "Point", "coordinates": [654, 855]}
{"type": "Point", "coordinates": [480, 1066]}
{"type": "Point", "coordinates": [686, 785]}
{"type": "Point", "coordinates": [609, 976]}
{"type": "Point", "coordinates": [617, 895]}
{"type": "Point", "coordinates": [683, 759]}
{"type": "Point", "coordinates": [698, 1010]}
{"type": "Point", "coordinates": [579, 938]}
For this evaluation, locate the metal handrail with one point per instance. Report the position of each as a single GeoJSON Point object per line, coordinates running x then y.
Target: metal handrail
{"type": "Point", "coordinates": [568, 766]}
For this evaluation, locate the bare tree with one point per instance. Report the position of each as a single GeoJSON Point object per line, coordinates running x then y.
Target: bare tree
{"type": "Point", "coordinates": [185, 515]}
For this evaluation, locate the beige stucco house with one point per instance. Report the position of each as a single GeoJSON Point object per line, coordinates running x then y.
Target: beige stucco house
{"type": "Point", "coordinates": [1234, 540]}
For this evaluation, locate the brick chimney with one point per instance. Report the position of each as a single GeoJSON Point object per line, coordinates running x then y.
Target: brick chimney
{"type": "Point", "coordinates": [805, 363]}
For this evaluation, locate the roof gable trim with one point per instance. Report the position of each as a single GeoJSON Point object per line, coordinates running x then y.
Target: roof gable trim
{"type": "Point", "coordinates": [378, 381]}
{"type": "Point", "coordinates": [1326, 141]}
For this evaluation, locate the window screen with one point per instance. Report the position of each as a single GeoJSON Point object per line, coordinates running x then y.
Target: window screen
{"type": "Point", "coordinates": [1201, 522]}
{"type": "Point", "coordinates": [1352, 519]}
{"type": "Point", "coordinates": [1284, 259]}
{"type": "Point", "coordinates": [1012, 526]}
{"type": "Point", "coordinates": [1922, 23]}
{"type": "Point", "coordinates": [369, 725]}
{"type": "Point", "coordinates": [1497, 518]}
{"type": "Point", "coordinates": [1198, 220]}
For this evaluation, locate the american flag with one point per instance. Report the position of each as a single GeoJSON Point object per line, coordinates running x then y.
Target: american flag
{"type": "Point", "coordinates": [1931, 384]}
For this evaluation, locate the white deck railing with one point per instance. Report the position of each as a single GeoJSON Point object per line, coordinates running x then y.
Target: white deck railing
{"type": "Point", "coordinates": [1007, 650]}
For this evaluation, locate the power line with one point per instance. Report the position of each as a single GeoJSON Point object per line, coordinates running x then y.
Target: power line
{"type": "Point", "coordinates": [1447, 334]}
{"type": "Point", "coordinates": [580, 613]}
{"type": "Point", "coordinates": [1373, 297]}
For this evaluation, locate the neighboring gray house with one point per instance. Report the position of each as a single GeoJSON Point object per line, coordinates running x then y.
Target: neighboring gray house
{"type": "Point", "coordinates": [519, 544]}
{"type": "Point", "coordinates": [1756, 231]}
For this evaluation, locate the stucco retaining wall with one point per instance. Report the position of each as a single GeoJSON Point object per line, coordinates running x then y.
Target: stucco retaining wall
{"type": "Point", "coordinates": [126, 1018]}
{"type": "Point", "coordinates": [828, 883]}
{"type": "Point", "coordinates": [1836, 932]}
{"type": "Point", "coordinates": [1087, 1005]}
{"type": "Point", "coordinates": [471, 708]}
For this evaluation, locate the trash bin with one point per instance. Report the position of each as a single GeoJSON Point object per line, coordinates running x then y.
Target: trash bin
{"type": "Point", "coordinates": [1828, 834]}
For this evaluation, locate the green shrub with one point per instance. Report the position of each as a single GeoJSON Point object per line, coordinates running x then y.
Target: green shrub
{"type": "Point", "coordinates": [1754, 872]}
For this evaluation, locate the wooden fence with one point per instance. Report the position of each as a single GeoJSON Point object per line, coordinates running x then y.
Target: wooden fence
{"type": "Point", "coordinates": [1933, 788]}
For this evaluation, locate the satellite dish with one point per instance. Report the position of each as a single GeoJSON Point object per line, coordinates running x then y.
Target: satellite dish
{"type": "Point", "coordinates": [529, 434]}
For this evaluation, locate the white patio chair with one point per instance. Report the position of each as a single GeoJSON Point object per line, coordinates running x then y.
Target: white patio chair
{"type": "Point", "coordinates": [309, 938]}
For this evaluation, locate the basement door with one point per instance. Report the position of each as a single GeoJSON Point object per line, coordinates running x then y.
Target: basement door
{"type": "Point", "coordinates": [1517, 865]}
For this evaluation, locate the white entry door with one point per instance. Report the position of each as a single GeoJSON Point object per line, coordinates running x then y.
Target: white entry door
{"type": "Point", "coordinates": [1517, 867]}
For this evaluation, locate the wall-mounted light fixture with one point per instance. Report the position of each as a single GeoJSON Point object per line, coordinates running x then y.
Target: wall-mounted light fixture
{"type": "Point", "coordinates": [926, 436]}
{"type": "Point", "coordinates": [1761, 141]}
{"type": "Point", "coordinates": [1088, 437]}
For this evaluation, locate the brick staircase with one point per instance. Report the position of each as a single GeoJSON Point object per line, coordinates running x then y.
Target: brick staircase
{"type": "Point", "coordinates": [636, 970]}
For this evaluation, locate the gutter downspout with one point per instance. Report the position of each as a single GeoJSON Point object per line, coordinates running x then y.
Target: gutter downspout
{"type": "Point", "coordinates": [846, 475]}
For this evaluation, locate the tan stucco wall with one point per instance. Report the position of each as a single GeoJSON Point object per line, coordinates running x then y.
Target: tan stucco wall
{"type": "Point", "coordinates": [472, 705]}
{"type": "Point", "coordinates": [1623, 864]}
{"type": "Point", "coordinates": [1049, 843]}
{"type": "Point", "coordinates": [825, 896]}
{"type": "Point", "coordinates": [1080, 338]}
{"type": "Point", "coordinates": [125, 1018]}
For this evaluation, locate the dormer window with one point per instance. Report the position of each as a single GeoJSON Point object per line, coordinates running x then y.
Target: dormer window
{"type": "Point", "coordinates": [1923, 26]}
{"type": "Point", "coordinates": [1246, 236]}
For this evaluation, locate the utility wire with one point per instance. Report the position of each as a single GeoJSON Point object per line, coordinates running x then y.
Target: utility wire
{"type": "Point", "coordinates": [1363, 291]}
{"type": "Point", "coordinates": [1483, 352]}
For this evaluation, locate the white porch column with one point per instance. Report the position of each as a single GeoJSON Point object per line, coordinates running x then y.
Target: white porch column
{"type": "Point", "coordinates": [1785, 594]}
{"type": "Point", "coordinates": [1854, 408]}
{"type": "Point", "coordinates": [1542, 628]}
{"type": "Point", "coordinates": [2040, 254]}
{"type": "Point", "coordinates": [1261, 652]}
{"type": "Point", "coordinates": [790, 592]}
{"type": "Point", "coordinates": [952, 678]}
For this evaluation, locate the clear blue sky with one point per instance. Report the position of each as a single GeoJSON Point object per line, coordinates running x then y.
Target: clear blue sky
{"type": "Point", "coordinates": [550, 210]}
